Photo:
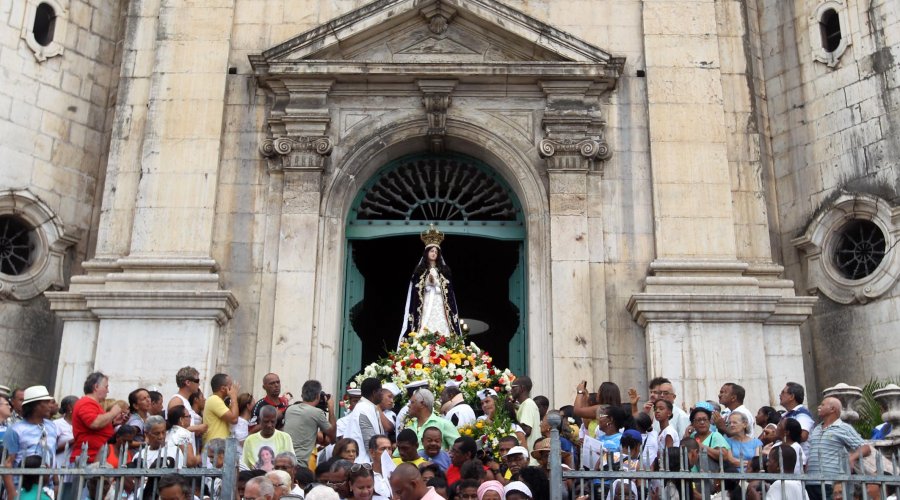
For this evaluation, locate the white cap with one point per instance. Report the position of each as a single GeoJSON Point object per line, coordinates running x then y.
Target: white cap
{"type": "Point", "coordinates": [484, 393]}
{"type": "Point", "coordinates": [413, 386]}
{"type": "Point", "coordinates": [517, 450]}
{"type": "Point", "coordinates": [391, 387]}
{"type": "Point", "coordinates": [354, 392]}
{"type": "Point", "coordinates": [451, 383]}
{"type": "Point", "coordinates": [517, 486]}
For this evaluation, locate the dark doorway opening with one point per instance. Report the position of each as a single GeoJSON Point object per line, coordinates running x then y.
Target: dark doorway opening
{"type": "Point", "coordinates": [481, 269]}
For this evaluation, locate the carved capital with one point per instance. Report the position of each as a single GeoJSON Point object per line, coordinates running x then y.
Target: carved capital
{"type": "Point", "coordinates": [573, 154]}
{"type": "Point", "coordinates": [297, 153]}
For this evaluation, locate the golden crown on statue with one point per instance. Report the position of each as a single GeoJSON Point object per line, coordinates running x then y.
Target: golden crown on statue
{"type": "Point", "coordinates": [432, 236]}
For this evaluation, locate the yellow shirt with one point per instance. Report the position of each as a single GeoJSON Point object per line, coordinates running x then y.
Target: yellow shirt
{"type": "Point", "coordinates": [417, 462]}
{"type": "Point", "coordinates": [212, 417]}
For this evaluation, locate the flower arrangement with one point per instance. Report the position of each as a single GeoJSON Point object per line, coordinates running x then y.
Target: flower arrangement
{"type": "Point", "coordinates": [487, 433]}
{"type": "Point", "coordinates": [439, 359]}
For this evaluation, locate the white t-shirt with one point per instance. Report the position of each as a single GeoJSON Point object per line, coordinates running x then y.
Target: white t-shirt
{"type": "Point", "coordinates": [786, 490]}
{"type": "Point", "coordinates": [801, 456]}
{"type": "Point", "coordinates": [164, 457]}
{"type": "Point", "coordinates": [668, 431]}
{"type": "Point", "coordinates": [463, 413]}
{"type": "Point", "coordinates": [240, 431]}
{"type": "Point", "coordinates": [64, 436]}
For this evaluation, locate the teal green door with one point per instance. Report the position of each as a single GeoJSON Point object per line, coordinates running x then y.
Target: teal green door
{"type": "Point", "coordinates": [463, 197]}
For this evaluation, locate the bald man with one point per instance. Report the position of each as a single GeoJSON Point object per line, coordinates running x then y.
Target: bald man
{"type": "Point", "coordinates": [407, 484]}
{"type": "Point", "coordinates": [829, 442]}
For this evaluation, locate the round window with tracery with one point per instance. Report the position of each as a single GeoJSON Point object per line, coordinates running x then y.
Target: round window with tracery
{"type": "Point", "coordinates": [859, 249]}
{"type": "Point", "coordinates": [17, 245]}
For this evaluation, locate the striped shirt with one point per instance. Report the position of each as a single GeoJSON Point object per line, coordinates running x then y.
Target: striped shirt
{"type": "Point", "coordinates": [830, 446]}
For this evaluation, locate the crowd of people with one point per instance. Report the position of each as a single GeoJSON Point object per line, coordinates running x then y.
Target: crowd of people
{"type": "Point", "coordinates": [380, 448]}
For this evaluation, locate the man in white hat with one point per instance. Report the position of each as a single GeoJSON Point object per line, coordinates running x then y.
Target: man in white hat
{"type": "Point", "coordinates": [389, 391]}
{"type": "Point", "coordinates": [34, 435]}
{"type": "Point", "coordinates": [516, 458]}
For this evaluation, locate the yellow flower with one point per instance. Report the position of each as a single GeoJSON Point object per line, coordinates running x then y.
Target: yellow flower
{"type": "Point", "coordinates": [480, 424]}
{"type": "Point", "coordinates": [426, 369]}
{"type": "Point", "coordinates": [418, 366]}
{"type": "Point", "coordinates": [443, 363]}
{"type": "Point", "coordinates": [473, 384]}
{"type": "Point", "coordinates": [412, 334]}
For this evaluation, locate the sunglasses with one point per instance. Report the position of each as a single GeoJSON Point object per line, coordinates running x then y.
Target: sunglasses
{"type": "Point", "coordinates": [359, 467]}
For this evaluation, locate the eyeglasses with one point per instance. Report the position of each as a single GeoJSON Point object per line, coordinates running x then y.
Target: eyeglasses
{"type": "Point", "coordinates": [335, 485]}
{"type": "Point", "coordinates": [359, 467]}
{"type": "Point", "coordinates": [196, 381]}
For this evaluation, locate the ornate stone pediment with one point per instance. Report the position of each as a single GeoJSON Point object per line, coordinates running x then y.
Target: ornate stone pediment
{"type": "Point", "coordinates": [430, 31]}
{"type": "Point", "coordinates": [436, 49]}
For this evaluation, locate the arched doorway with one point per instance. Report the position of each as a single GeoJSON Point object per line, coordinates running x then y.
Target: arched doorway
{"type": "Point", "coordinates": [485, 248]}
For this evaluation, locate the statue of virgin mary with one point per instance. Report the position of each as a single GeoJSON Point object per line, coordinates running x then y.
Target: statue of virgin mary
{"type": "Point", "coordinates": [430, 301]}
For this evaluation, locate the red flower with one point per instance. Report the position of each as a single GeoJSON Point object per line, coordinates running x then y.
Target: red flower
{"type": "Point", "coordinates": [459, 378]}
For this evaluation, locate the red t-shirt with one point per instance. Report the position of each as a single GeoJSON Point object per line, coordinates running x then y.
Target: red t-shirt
{"type": "Point", "coordinates": [84, 413]}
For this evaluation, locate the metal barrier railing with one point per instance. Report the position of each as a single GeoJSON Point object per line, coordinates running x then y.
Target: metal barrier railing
{"type": "Point", "coordinates": [126, 481]}
{"type": "Point", "coordinates": [879, 481]}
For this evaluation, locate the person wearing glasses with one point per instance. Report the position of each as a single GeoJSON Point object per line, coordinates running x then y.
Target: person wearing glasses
{"type": "Point", "coordinates": [188, 381]}
{"type": "Point", "coordinates": [335, 473]}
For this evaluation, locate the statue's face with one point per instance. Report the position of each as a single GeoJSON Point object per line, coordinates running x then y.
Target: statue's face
{"type": "Point", "coordinates": [433, 254]}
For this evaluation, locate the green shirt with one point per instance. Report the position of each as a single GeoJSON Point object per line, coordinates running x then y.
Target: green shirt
{"type": "Point", "coordinates": [449, 434]}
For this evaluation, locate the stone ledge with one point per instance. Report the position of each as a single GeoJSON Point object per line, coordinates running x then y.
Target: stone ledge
{"type": "Point", "coordinates": [168, 304]}
{"type": "Point", "coordinates": [702, 308]}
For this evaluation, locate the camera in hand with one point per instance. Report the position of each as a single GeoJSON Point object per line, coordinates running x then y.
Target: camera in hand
{"type": "Point", "coordinates": [323, 401]}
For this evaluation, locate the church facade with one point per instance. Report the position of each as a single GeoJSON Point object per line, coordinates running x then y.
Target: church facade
{"type": "Point", "coordinates": [704, 190]}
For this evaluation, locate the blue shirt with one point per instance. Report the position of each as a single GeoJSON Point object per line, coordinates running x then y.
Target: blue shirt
{"type": "Point", "coordinates": [25, 439]}
{"type": "Point", "coordinates": [442, 459]}
{"type": "Point", "coordinates": [745, 451]}
{"type": "Point", "coordinates": [612, 442]}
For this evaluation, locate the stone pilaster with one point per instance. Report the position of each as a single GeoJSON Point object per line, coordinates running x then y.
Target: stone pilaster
{"type": "Point", "coordinates": [154, 282]}
{"type": "Point", "coordinates": [297, 155]}
{"type": "Point", "coordinates": [572, 147]}
{"type": "Point", "coordinates": [709, 318]}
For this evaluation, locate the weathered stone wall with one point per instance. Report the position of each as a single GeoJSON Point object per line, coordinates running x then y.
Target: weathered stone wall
{"type": "Point", "coordinates": [54, 136]}
{"type": "Point", "coordinates": [835, 130]}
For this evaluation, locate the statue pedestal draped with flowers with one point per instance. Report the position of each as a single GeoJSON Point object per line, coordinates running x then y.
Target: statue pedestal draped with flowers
{"type": "Point", "coordinates": [433, 348]}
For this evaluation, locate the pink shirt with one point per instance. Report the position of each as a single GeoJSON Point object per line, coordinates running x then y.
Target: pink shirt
{"type": "Point", "coordinates": [432, 495]}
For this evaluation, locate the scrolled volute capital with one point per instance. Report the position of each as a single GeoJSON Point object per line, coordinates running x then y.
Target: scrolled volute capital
{"type": "Point", "coordinates": [306, 152]}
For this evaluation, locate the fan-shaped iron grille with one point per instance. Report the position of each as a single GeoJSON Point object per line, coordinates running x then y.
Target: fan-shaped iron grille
{"type": "Point", "coordinates": [437, 188]}
{"type": "Point", "coordinates": [16, 245]}
{"type": "Point", "coordinates": [860, 249]}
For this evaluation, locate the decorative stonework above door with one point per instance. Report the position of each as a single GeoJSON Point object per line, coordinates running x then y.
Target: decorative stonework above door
{"type": "Point", "coordinates": [435, 50]}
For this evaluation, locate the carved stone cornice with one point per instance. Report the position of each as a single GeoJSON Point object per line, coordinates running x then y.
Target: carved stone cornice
{"type": "Point", "coordinates": [436, 99]}
{"type": "Point", "coordinates": [296, 153]}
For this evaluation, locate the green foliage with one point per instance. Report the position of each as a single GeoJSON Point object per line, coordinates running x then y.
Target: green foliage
{"type": "Point", "coordinates": [868, 408]}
